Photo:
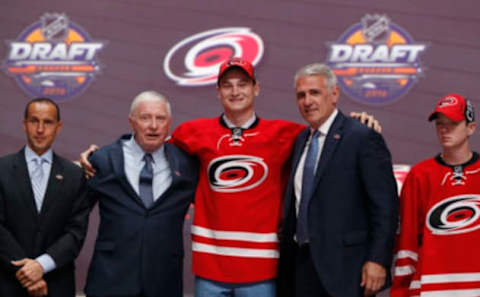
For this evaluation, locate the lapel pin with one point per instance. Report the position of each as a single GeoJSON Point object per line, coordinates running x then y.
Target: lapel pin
{"type": "Point", "coordinates": [336, 136]}
{"type": "Point", "coordinates": [177, 173]}
{"type": "Point", "coordinates": [59, 177]}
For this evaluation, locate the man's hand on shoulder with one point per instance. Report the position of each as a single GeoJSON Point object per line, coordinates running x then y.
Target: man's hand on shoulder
{"type": "Point", "coordinates": [86, 165]}
{"type": "Point", "coordinates": [373, 277]}
{"type": "Point", "coordinates": [367, 119]}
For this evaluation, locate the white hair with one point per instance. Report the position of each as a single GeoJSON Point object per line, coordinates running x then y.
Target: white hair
{"type": "Point", "coordinates": [149, 96]}
{"type": "Point", "coordinates": [318, 69]}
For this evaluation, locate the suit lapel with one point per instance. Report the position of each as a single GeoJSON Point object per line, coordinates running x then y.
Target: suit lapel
{"type": "Point", "coordinates": [24, 186]}
{"type": "Point", "coordinates": [117, 161]}
{"type": "Point", "coordinates": [54, 186]}
{"type": "Point", "coordinates": [333, 138]}
{"type": "Point", "coordinates": [298, 150]}
{"type": "Point", "coordinates": [297, 153]}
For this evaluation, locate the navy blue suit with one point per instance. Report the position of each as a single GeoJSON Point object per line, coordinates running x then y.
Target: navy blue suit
{"type": "Point", "coordinates": [139, 250]}
{"type": "Point", "coordinates": [59, 228]}
{"type": "Point", "coordinates": [352, 215]}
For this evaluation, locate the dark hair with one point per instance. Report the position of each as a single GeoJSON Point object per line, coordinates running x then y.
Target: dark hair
{"type": "Point", "coordinates": [42, 100]}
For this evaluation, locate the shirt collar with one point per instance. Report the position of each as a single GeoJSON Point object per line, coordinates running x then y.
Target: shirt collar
{"type": "Point", "coordinates": [327, 124]}
{"type": "Point", "coordinates": [246, 125]}
{"type": "Point", "coordinates": [30, 155]}
{"type": "Point", "coordinates": [138, 152]}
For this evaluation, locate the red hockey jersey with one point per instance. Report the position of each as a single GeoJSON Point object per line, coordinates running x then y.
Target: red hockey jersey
{"type": "Point", "coordinates": [239, 195]}
{"type": "Point", "coordinates": [437, 249]}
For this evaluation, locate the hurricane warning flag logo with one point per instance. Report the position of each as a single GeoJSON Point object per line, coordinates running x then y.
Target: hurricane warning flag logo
{"type": "Point", "coordinates": [448, 101]}
{"type": "Point", "coordinates": [195, 60]}
{"type": "Point", "coordinates": [455, 215]}
{"type": "Point", "coordinates": [236, 173]}
{"type": "Point", "coordinates": [376, 61]}
{"type": "Point", "coordinates": [53, 58]}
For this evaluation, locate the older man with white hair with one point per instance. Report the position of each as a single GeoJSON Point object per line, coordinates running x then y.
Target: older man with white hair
{"type": "Point", "coordinates": [144, 187]}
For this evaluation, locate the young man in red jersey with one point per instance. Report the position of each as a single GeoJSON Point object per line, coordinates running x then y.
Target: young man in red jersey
{"type": "Point", "coordinates": [243, 161]}
{"type": "Point", "coordinates": [437, 247]}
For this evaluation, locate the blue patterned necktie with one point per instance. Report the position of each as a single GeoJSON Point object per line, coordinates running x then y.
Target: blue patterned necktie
{"type": "Point", "coordinates": [307, 188]}
{"type": "Point", "coordinates": [37, 182]}
{"type": "Point", "coordinates": [146, 181]}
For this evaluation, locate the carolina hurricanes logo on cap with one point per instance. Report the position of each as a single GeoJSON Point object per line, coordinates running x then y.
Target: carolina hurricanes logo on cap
{"type": "Point", "coordinates": [454, 215]}
{"type": "Point", "coordinates": [195, 60]}
{"type": "Point", "coordinates": [448, 101]}
{"type": "Point", "coordinates": [236, 173]}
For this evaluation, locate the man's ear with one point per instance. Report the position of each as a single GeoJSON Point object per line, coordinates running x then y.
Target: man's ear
{"type": "Point", "coordinates": [257, 88]}
{"type": "Point", "coordinates": [130, 122]}
{"type": "Point", "coordinates": [59, 126]}
{"type": "Point", "coordinates": [471, 128]}
{"type": "Point", "coordinates": [335, 94]}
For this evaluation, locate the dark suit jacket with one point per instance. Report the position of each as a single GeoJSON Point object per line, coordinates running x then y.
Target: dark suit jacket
{"type": "Point", "coordinates": [352, 215]}
{"type": "Point", "coordinates": [58, 230]}
{"type": "Point", "coordinates": [139, 249]}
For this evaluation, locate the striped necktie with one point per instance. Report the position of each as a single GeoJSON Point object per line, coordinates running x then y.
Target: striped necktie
{"type": "Point", "coordinates": [37, 181]}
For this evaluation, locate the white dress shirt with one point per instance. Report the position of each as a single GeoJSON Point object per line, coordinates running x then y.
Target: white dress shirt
{"type": "Point", "coordinates": [323, 131]}
{"type": "Point", "coordinates": [133, 156]}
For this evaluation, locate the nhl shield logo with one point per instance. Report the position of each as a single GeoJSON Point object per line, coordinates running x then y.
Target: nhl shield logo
{"type": "Point", "coordinates": [376, 61]}
{"type": "Point", "coordinates": [53, 57]}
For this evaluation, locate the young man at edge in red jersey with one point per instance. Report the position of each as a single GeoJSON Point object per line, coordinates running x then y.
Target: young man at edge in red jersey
{"type": "Point", "coordinates": [435, 249]}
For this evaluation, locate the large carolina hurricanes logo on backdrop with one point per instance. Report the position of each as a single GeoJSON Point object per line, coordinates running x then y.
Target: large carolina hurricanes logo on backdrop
{"type": "Point", "coordinates": [53, 57]}
{"type": "Point", "coordinates": [454, 215]}
{"type": "Point", "coordinates": [376, 61]}
{"type": "Point", "coordinates": [236, 173]}
{"type": "Point", "coordinates": [195, 60]}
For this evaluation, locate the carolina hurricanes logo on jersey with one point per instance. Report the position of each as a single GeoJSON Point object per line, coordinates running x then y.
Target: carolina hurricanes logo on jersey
{"type": "Point", "coordinates": [455, 215]}
{"type": "Point", "coordinates": [236, 173]}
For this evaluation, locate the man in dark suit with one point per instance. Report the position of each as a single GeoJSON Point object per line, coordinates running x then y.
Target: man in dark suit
{"type": "Point", "coordinates": [43, 211]}
{"type": "Point", "coordinates": [341, 198]}
{"type": "Point", "coordinates": [144, 187]}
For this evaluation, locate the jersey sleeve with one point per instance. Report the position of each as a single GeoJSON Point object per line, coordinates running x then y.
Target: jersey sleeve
{"type": "Point", "coordinates": [406, 260]}
{"type": "Point", "coordinates": [183, 137]}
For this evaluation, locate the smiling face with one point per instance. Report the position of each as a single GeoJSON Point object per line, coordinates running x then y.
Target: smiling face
{"type": "Point", "coordinates": [237, 92]}
{"type": "Point", "coordinates": [150, 122]}
{"type": "Point", "coordinates": [41, 126]}
{"type": "Point", "coordinates": [315, 101]}
{"type": "Point", "coordinates": [453, 135]}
